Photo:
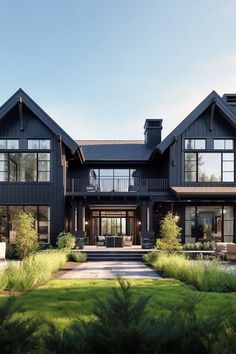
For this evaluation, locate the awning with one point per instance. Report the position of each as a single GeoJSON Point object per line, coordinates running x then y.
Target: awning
{"type": "Point", "coordinates": [204, 190]}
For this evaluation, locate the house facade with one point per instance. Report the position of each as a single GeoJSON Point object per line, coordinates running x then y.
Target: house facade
{"type": "Point", "coordinates": [123, 188]}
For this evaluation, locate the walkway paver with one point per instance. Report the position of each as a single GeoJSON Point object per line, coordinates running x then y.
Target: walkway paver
{"type": "Point", "coordinates": [107, 270]}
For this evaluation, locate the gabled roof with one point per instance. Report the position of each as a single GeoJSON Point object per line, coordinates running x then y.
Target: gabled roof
{"type": "Point", "coordinates": [43, 116]}
{"type": "Point", "coordinates": [212, 97]}
{"type": "Point", "coordinates": [114, 150]}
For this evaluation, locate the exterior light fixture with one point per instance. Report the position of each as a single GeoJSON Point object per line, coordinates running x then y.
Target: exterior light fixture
{"type": "Point", "coordinates": [139, 223]}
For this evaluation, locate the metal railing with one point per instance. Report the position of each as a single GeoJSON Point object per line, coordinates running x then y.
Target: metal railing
{"type": "Point", "coordinates": [76, 185]}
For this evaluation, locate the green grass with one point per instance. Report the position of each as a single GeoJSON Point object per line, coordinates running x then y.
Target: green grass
{"type": "Point", "coordinates": [61, 301]}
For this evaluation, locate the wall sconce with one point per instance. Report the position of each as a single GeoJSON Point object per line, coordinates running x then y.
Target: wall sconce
{"type": "Point", "coordinates": [139, 223]}
{"type": "Point", "coordinates": [86, 222]}
{"type": "Point", "coordinates": [176, 217]}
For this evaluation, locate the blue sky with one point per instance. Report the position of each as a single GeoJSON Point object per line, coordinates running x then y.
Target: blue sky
{"type": "Point", "coordinates": [101, 67]}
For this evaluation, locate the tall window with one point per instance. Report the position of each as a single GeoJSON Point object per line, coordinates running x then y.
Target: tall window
{"type": "Point", "coordinates": [24, 167]}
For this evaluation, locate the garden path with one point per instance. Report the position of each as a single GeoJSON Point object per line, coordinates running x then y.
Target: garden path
{"type": "Point", "coordinates": [113, 269]}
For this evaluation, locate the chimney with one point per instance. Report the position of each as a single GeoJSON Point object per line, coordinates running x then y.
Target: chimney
{"type": "Point", "coordinates": [152, 132]}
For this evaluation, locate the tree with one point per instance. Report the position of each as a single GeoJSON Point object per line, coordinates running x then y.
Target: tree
{"type": "Point", "coordinates": [170, 233]}
{"type": "Point", "coordinates": [26, 235]}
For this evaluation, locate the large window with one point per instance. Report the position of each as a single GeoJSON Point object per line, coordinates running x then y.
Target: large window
{"type": "Point", "coordinates": [25, 167]}
{"type": "Point", "coordinates": [208, 223]}
{"type": "Point", "coordinates": [209, 167]}
{"type": "Point", "coordinates": [40, 213]}
{"type": "Point", "coordinates": [107, 180]}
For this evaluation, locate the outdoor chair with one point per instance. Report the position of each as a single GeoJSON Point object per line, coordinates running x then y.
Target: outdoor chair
{"type": "Point", "coordinates": [101, 240]}
{"type": "Point", "coordinates": [128, 241]}
{"type": "Point", "coordinates": [231, 252]}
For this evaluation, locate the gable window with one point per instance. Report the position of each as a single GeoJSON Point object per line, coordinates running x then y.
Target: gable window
{"type": "Point", "coordinates": [209, 167]}
{"type": "Point", "coordinates": [195, 144]}
{"type": "Point", "coordinates": [9, 144]}
{"type": "Point", "coordinates": [39, 144]}
{"type": "Point", "coordinates": [223, 144]}
{"type": "Point", "coordinates": [25, 167]}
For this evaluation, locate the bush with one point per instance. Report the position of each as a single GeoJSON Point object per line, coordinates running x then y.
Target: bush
{"type": "Point", "coordinates": [170, 233]}
{"type": "Point", "coordinates": [26, 236]}
{"type": "Point", "coordinates": [66, 241]}
{"type": "Point", "coordinates": [3, 280]}
{"type": "Point", "coordinates": [34, 270]}
{"type": "Point", "coordinates": [17, 334]}
{"type": "Point", "coordinates": [11, 252]}
{"type": "Point", "coordinates": [77, 257]}
{"type": "Point", "coordinates": [205, 276]}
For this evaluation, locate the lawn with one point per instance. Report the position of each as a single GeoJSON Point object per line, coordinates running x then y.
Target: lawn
{"type": "Point", "coordinates": [61, 301]}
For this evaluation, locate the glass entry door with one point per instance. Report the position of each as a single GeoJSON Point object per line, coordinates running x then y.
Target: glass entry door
{"type": "Point", "coordinates": [113, 226]}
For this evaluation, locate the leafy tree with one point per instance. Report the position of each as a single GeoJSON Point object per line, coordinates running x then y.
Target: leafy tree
{"type": "Point", "coordinates": [170, 233]}
{"type": "Point", "coordinates": [26, 235]}
{"type": "Point", "coordinates": [65, 241]}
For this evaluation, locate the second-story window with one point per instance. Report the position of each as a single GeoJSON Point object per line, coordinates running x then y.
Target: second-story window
{"type": "Point", "coordinates": [39, 144]}
{"type": "Point", "coordinates": [107, 180]}
{"type": "Point", "coordinates": [209, 167]}
{"type": "Point", "coordinates": [24, 167]}
{"type": "Point", "coordinates": [9, 144]}
{"type": "Point", "coordinates": [195, 144]}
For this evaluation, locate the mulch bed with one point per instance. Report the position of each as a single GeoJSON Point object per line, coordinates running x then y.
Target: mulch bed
{"type": "Point", "coordinates": [64, 269]}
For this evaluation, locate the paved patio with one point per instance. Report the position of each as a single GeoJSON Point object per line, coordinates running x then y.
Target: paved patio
{"type": "Point", "coordinates": [108, 270]}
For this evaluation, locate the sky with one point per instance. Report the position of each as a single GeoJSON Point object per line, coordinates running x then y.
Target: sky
{"type": "Point", "coordinates": [99, 68]}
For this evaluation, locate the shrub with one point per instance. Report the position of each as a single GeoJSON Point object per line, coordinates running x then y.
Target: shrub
{"type": "Point", "coordinates": [34, 270]}
{"type": "Point", "coordinates": [3, 280]}
{"type": "Point", "coordinates": [26, 236]}
{"type": "Point", "coordinates": [66, 241]}
{"type": "Point", "coordinates": [170, 233]}
{"type": "Point", "coordinates": [77, 257]}
{"type": "Point", "coordinates": [205, 276]}
{"type": "Point", "coordinates": [17, 334]}
{"type": "Point", "coordinates": [11, 252]}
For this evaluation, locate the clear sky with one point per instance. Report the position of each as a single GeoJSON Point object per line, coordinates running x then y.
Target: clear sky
{"type": "Point", "coordinates": [101, 67]}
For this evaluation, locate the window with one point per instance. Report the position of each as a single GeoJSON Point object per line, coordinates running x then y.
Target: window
{"type": "Point", "coordinates": [209, 167]}
{"type": "Point", "coordinates": [40, 213]}
{"type": "Point", "coordinates": [25, 167]}
{"type": "Point", "coordinates": [223, 144]}
{"type": "Point", "coordinates": [39, 144]}
{"type": "Point", "coordinates": [9, 144]}
{"type": "Point", "coordinates": [3, 167]}
{"type": "Point", "coordinates": [195, 144]}
{"type": "Point", "coordinates": [209, 223]}
{"type": "Point", "coordinates": [107, 180]}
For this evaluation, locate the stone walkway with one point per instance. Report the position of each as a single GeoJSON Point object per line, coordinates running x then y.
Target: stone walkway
{"type": "Point", "coordinates": [108, 270]}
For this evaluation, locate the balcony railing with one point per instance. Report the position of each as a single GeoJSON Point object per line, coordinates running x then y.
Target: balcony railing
{"type": "Point", "coordinates": [78, 185]}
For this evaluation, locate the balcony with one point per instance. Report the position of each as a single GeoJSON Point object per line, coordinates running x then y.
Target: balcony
{"type": "Point", "coordinates": [116, 185]}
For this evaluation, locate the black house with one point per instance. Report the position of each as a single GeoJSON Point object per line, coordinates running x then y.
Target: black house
{"type": "Point", "coordinates": [99, 188]}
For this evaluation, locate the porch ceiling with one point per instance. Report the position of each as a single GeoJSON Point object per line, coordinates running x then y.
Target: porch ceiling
{"type": "Point", "coordinates": [204, 190]}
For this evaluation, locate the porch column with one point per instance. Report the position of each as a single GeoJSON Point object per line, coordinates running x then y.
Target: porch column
{"type": "Point", "coordinates": [144, 217]}
{"type": "Point", "coordinates": [81, 219]}
{"type": "Point", "coordinates": [73, 215]}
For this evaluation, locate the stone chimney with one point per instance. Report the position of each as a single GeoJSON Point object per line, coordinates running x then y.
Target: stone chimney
{"type": "Point", "coordinates": [152, 132]}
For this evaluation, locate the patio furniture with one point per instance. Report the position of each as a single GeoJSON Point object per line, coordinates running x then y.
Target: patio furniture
{"type": "Point", "coordinates": [114, 241]}
{"type": "Point", "coordinates": [127, 241]}
{"type": "Point", "coordinates": [231, 252]}
{"type": "Point", "coordinates": [2, 250]}
{"type": "Point", "coordinates": [221, 249]}
{"type": "Point", "coordinates": [100, 240]}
